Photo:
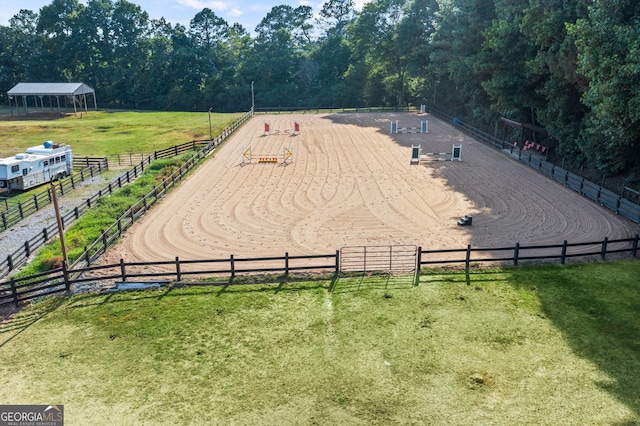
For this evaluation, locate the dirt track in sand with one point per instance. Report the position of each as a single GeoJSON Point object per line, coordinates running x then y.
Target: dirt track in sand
{"type": "Point", "coordinates": [351, 183]}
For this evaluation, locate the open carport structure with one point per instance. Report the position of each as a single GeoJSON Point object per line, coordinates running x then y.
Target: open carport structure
{"type": "Point", "coordinates": [77, 93]}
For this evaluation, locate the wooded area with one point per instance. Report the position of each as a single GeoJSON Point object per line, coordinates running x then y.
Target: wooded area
{"type": "Point", "coordinates": [570, 67]}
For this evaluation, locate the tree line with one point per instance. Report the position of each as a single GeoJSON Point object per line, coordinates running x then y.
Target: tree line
{"type": "Point", "coordinates": [571, 67]}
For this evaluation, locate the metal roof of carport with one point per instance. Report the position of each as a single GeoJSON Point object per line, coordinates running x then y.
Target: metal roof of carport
{"type": "Point", "coordinates": [77, 92]}
{"type": "Point", "coordinates": [50, 89]}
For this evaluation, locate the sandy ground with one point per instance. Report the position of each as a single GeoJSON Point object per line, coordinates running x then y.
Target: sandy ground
{"type": "Point", "coordinates": [351, 183]}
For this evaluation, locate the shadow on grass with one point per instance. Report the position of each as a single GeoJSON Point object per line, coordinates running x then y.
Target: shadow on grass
{"type": "Point", "coordinates": [358, 281]}
{"type": "Point", "coordinates": [25, 318]}
{"type": "Point", "coordinates": [217, 289]}
{"type": "Point", "coordinates": [596, 308]}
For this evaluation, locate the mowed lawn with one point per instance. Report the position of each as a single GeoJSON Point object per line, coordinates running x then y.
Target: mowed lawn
{"type": "Point", "coordinates": [103, 133]}
{"type": "Point", "coordinates": [532, 345]}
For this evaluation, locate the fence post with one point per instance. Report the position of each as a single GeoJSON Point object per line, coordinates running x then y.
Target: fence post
{"type": "Point", "coordinates": [634, 246]}
{"type": "Point", "coordinates": [45, 235]}
{"type": "Point", "coordinates": [10, 262]}
{"type": "Point", "coordinates": [26, 249]}
{"type": "Point", "coordinates": [603, 252]}
{"type": "Point", "coordinates": [337, 263]}
{"type": "Point", "coordinates": [233, 267]}
{"type": "Point", "coordinates": [563, 255]}
{"type": "Point", "coordinates": [87, 256]}
{"type": "Point", "coordinates": [468, 258]}
{"type": "Point", "coordinates": [65, 276]}
{"type": "Point", "coordinates": [286, 264]}
{"type": "Point", "coordinates": [516, 252]}
{"type": "Point", "coordinates": [104, 240]}
{"type": "Point", "coordinates": [14, 292]}
{"type": "Point", "coordinates": [416, 280]}
{"type": "Point", "coordinates": [123, 273]}
{"type": "Point", "coordinates": [178, 274]}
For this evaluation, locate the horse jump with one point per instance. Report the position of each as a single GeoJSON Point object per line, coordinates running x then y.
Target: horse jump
{"type": "Point", "coordinates": [416, 154]}
{"type": "Point", "coordinates": [285, 158]}
{"type": "Point", "coordinates": [424, 128]}
{"type": "Point", "coordinates": [269, 131]}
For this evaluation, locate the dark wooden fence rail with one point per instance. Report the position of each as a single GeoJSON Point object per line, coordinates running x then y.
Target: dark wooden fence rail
{"type": "Point", "coordinates": [18, 290]}
{"type": "Point", "coordinates": [83, 162]}
{"type": "Point", "coordinates": [202, 148]}
{"type": "Point", "coordinates": [317, 110]}
{"type": "Point", "coordinates": [605, 197]}
{"type": "Point", "coordinates": [14, 214]}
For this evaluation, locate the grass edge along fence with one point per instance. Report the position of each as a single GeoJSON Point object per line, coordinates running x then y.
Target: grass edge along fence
{"type": "Point", "coordinates": [11, 216]}
{"type": "Point", "coordinates": [202, 148]}
{"type": "Point", "coordinates": [62, 280]}
{"type": "Point", "coordinates": [605, 197]}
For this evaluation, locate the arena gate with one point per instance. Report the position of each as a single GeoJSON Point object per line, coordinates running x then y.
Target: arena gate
{"type": "Point", "coordinates": [394, 259]}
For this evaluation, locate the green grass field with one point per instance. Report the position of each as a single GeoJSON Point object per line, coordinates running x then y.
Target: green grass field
{"type": "Point", "coordinates": [101, 133]}
{"type": "Point", "coordinates": [532, 345]}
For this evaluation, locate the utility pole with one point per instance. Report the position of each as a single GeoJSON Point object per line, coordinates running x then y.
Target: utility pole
{"type": "Point", "coordinates": [59, 220]}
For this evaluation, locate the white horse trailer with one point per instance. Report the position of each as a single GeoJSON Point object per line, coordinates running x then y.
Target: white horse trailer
{"type": "Point", "coordinates": [37, 165]}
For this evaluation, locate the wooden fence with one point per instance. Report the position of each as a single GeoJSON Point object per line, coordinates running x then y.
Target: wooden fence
{"type": "Point", "coordinates": [20, 256]}
{"type": "Point", "coordinates": [619, 203]}
{"type": "Point", "coordinates": [225, 271]}
{"type": "Point", "coordinates": [11, 215]}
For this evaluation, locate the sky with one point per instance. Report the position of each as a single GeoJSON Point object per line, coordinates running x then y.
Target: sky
{"type": "Point", "coordinates": [248, 13]}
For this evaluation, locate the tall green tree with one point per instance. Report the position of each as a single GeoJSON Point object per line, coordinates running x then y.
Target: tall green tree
{"type": "Point", "coordinates": [20, 49]}
{"type": "Point", "coordinates": [608, 43]}
{"type": "Point", "coordinates": [58, 22]}
{"type": "Point", "coordinates": [506, 51]}
{"type": "Point", "coordinates": [456, 47]}
{"type": "Point", "coordinates": [209, 34]}
{"type": "Point", "coordinates": [378, 43]}
{"type": "Point", "coordinates": [130, 41]}
{"type": "Point", "coordinates": [335, 15]}
{"type": "Point", "coordinates": [93, 44]}
{"type": "Point", "coordinates": [295, 21]}
{"type": "Point", "coordinates": [555, 64]}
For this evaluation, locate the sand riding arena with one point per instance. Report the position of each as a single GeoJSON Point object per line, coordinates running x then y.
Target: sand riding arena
{"type": "Point", "coordinates": [346, 180]}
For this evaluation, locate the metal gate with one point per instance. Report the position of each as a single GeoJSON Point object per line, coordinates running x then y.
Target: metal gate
{"type": "Point", "coordinates": [391, 259]}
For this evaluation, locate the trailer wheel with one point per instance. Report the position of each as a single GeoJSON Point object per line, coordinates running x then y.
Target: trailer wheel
{"type": "Point", "coordinates": [2, 184]}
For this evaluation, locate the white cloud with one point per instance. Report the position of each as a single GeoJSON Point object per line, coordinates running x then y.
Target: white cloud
{"type": "Point", "coordinates": [200, 4]}
{"type": "Point", "coordinates": [357, 4]}
{"type": "Point", "coordinates": [235, 12]}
